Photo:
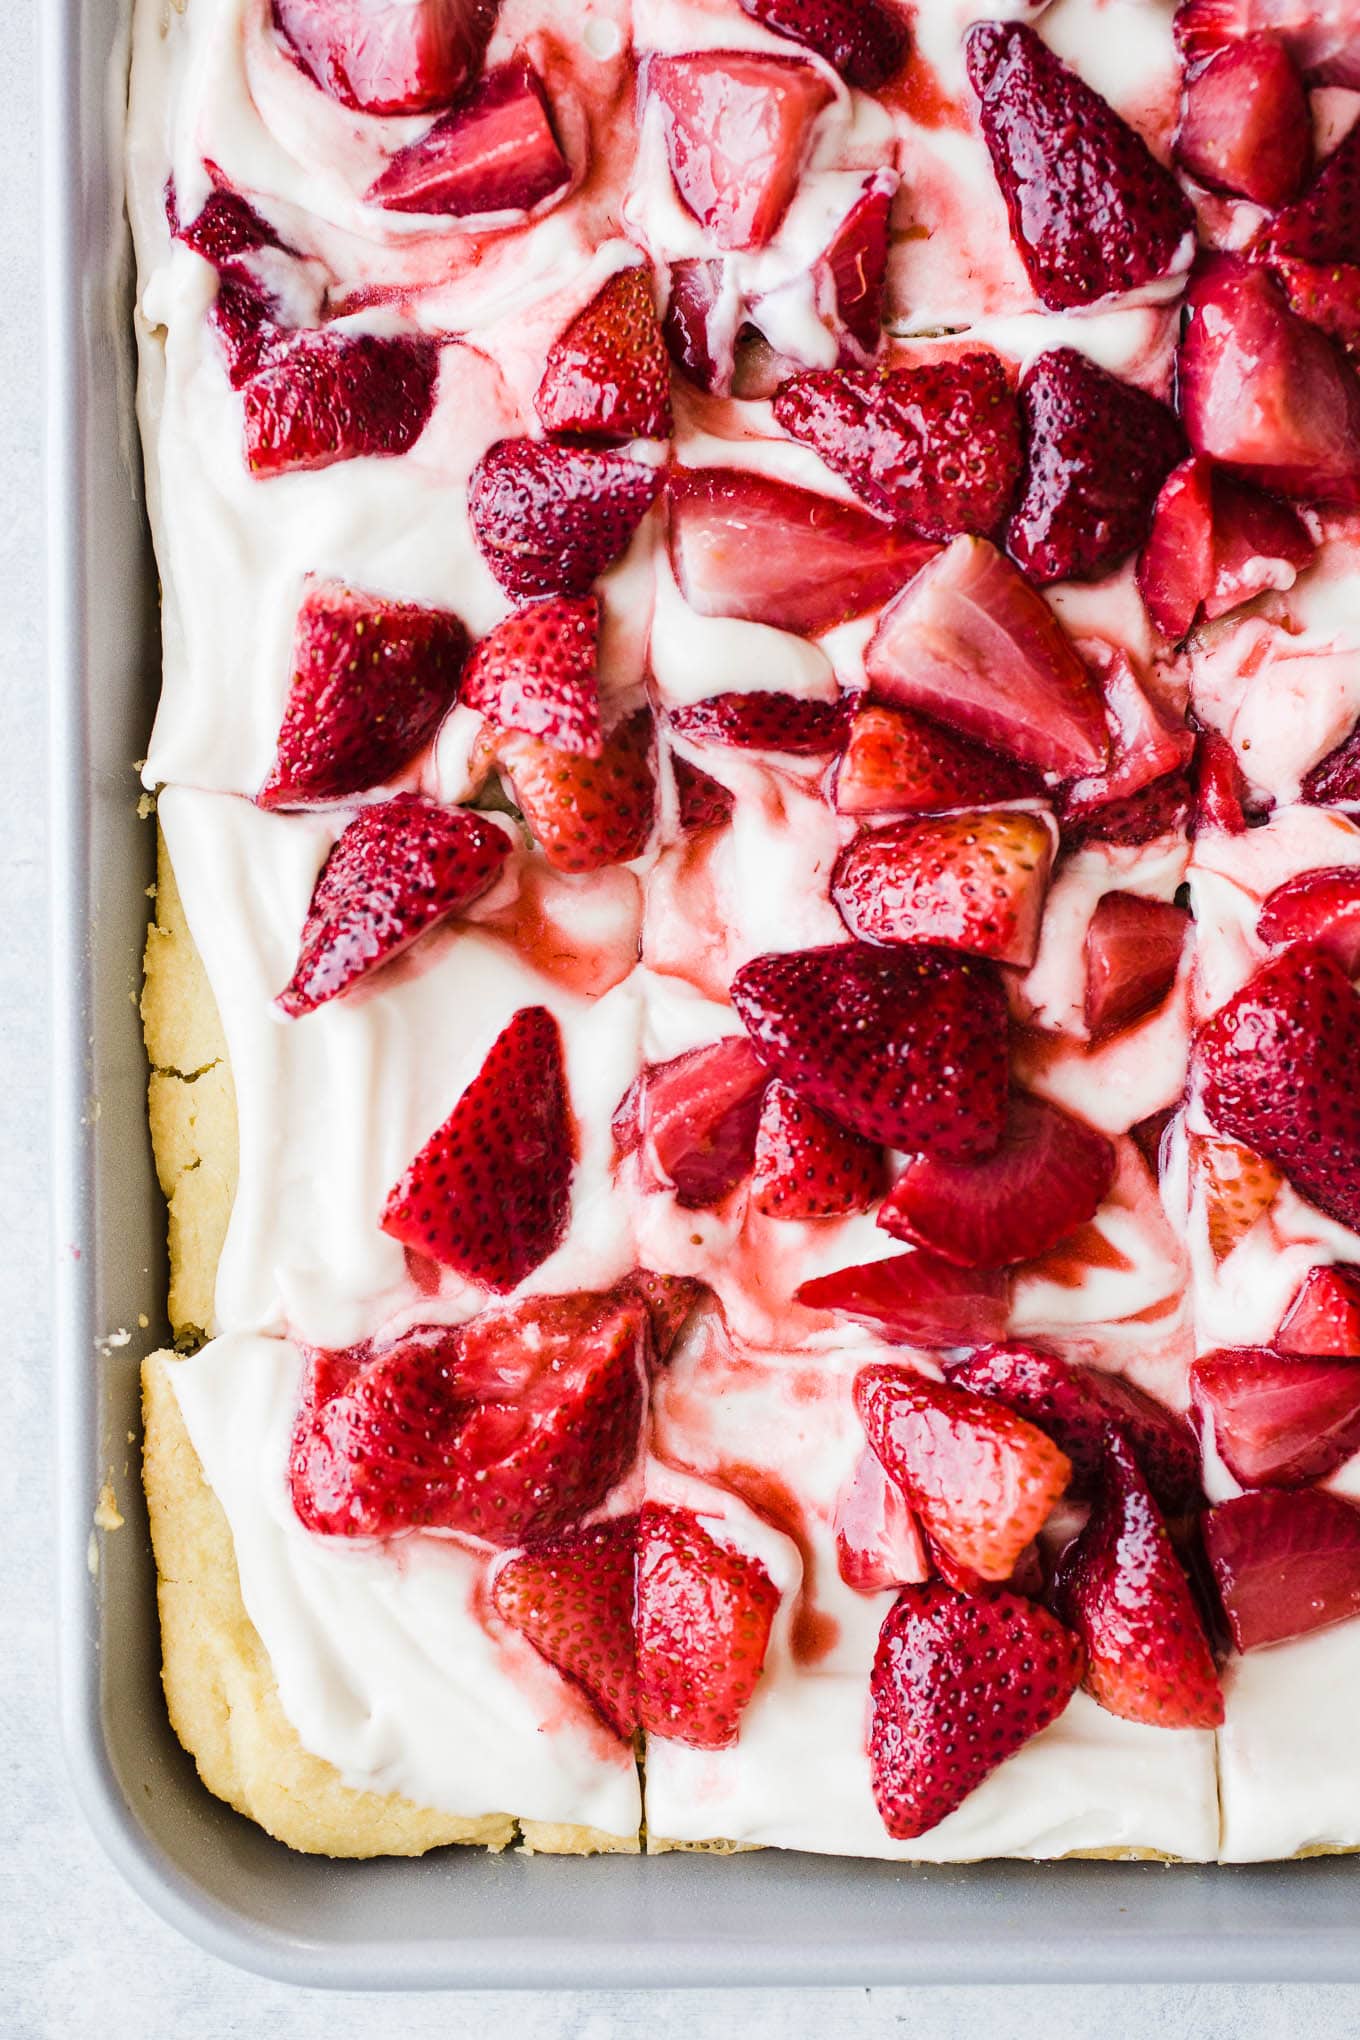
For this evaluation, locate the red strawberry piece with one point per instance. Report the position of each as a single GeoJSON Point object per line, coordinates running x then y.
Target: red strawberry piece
{"type": "Point", "coordinates": [1221, 791]}
{"type": "Point", "coordinates": [1238, 1187]}
{"type": "Point", "coordinates": [980, 1480]}
{"type": "Point", "coordinates": [704, 802]}
{"type": "Point", "coordinates": [878, 1542]}
{"type": "Point", "coordinates": [548, 519]}
{"type": "Point", "coordinates": [671, 1301]}
{"type": "Point", "coordinates": [1050, 1174]}
{"type": "Point", "coordinates": [388, 56]}
{"type": "Point", "coordinates": [496, 152]}
{"type": "Point", "coordinates": [572, 1596]}
{"type": "Point", "coordinates": [935, 449]}
{"type": "Point", "coordinates": [396, 870]}
{"type": "Point", "coordinates": [1092, 211]}
{"type": "Point", "coordinates": [1277, 1071]}
{"type": "Point", "coordinates": [960, 1682]}
{"type": "Point", "coordinates": [865, 40]}
{"type": "Point", "coordinates": [1245, 126]}
{"type": "Point", "coordinates": [490, 1192]}
{"type": "Point", "coordinates": [321, 396]}
{"type": "Point", "coordinates": [856, 260]}
{"type": "Point", "coordinates": [704, 1612]}
{"type": "Point", "coordinates": [1122, 1589]}
{"type": "Point", "coordinates": [973, 881]}
{"type": "Point", "coordinates": [536, 672]}
{"type": "Point", "coordinates": [245, 318]}
{"type": "Point", "coordinates": [608, 374]}
{"type": "Point", "coordinates": [226, 227]}
{"type": "Point", "coordinates": [916, 1300]}
{"type": "Point", "coordinates": [696, 337]}
{"type": "Point", "coordinates": [1278, 1420]}
{"type": "Point", "coordinates": [1098, 450]}
{"type": "Point", "coordinates": [1324, 224]}
{"type": "Point", "coordinates": [1324, 1318]}
{"type": "Point", "coordinates": [971, 644]}
{"type": "Point", "coordinates": [1161, 809]}
{"type": "Point", "coordinates": [764, 722]}
{"type": "Point", "coordinates": [1259, 543]}
{"type": "Point", "coordinates": [1321, 907]}
{"type": "Point", "coordinates": [1148, 1135]}
{"type": "Point", "coordinates": [737, 127]}
{"type": "Point", "coordinates": [1132, 953]}
{"type": "Point", "coordinates": [899, 763]}
{"type": "Point", "coordinates": [745, 545]}
{"type": "Point", "coordinates": [1285, 1564]}
{"type": "Point", "coordinates": [1335, 780]}
{"type": "Point", "coordinates": [1327, 294]}
{"type": "Point", "coordinates": [371, 681]}
{"type": "Point", "coordinates": [699, 1115]}
{"type": "Point", "coordinates": [808, 1167]}
{"type": "Point", "coordinates": [905, 1046]}
{"type": "Point", "coordinates": [1176, 565]}
{"type": "Point", "coordinates": [1145, 748]}
{"type": "Point", "coordinates": [585, 813]}
{"type": "Point", "coordinates": [1324, 41]}
{"type": "Point", "coordinates": [375, 1439]}
{"type": "Point", "coordinates": [1263, 391]}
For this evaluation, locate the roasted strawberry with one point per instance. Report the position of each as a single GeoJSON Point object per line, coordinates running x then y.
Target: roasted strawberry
{"type": "Point", "coordinates": [1097, 452]}
{"type": "Point", "coordinates": [905, 1046]}
{"type": "Point", "coordinates": [974, 881]}
{"type": "Point", "coordinates": [702, 802]}
{"type": "Point", "coordinates": [764, 722]}
{"type": "Point", "coordinates": [548, 519]}
{"type": "Point", "coordinates": [1132, 953]}
{"type": "Point", "coordinates": [1324, 1317]}
{"type": "Point", "coordinates": [1144, 776]}
{"type": "Point", "coordinates": [1285, 1564]}
{"type": "Point", "coordinates": [1245, 125]}
{"type": "Point", "coordinates": [1278, 1420]}
{"type": "Point", "coordinates": [671, 1301]}
{"type": "Point", "coordinates": [1216, 542]}
{"type": "Point", "coordinates": [1277, 1066]}
{"type": "Point", "coordinates": [374, 1443]}
{"type": "Point", "coordinates": [388, 56]}
{"type": "Point", "coordinates": [1321, 39]}
{"type": "Point", "coordinates": [1050, 1174]}
{"type": "Point", "coordinates": [572, 1596]}
{"type": "Point", "coordinates": [698, 1119]}
{"type": "Point", "coordinates": [396, 870]}
{"type": "Point", "coordinates": [899, 763]}
{"type": "Point", "coordinates": [536, 672]}
{"type": "Point", "coordinates": [916, 1299]}
{"type": "Point", "coordinates": [737, 126]}
{"type": "Point", "coordinates": [960, 1683]}
{"type": "Point", "coordinates": [1221, 791]}
{"type": "Point", "coordinates": [704, 1612]}
{"type": "Point", "coordinates": [935, 449]}
{"type": "Point", "coordinates": [1159, 809]}
{"type": "Point", "coordinates": [1320, 907]}
{"type": "Point", "coordinates": [490, 1192]}
{"type": "Point", "coordinates": [1149, 1136]}
{"type": "Point", "coordinates": [226, 226]}
{"type": "Point", "coordinates": [246, 319]}
{"type": "Point", "coordinates": [608, 374]}
{"type": "Point", "coordinates": [585, 813]}
{"type": "Point", "coordinates": [972, 645]}
{"type": "Point", "coordinates": [371, 680]}
{"type": "Point", "coordinates": [806, 1166]}
{"type": "Point", "coordinates": [322, 396]}
{"type": "Point", "coordinates": [865, 40]}
{"type": "Point", "coordinates": [1327, 294]}
{"type": "Point", "coordinates": [855, 260]}
{"type": "Point", "coordinates": [1237, 1186]}
{"type": "Point", "coordinates": [1092, 212]}
{"type": "Point", "coordinates": [1176, 565]}
{"type": "Point", "coordinates": [745, 545]}
{"type": "Point", "coordinates": [699, 337]}
{"type": "Point", "coordinates": [878, 1542]}
{"type": "Point", "coordinates": [1324, 224]}
{"type": "Point", "coordinates": [1335, 780]}
{"type": "Point", "coordinates": [495, 152]}
{"type": "Point", "coordinates": [980, 1480]}
{"type": "Point", "coordinates": [1120, 1587]}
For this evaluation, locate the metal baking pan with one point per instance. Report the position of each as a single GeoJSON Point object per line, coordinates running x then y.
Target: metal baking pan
{"type": "Point", "coordinates": [458, 1917]}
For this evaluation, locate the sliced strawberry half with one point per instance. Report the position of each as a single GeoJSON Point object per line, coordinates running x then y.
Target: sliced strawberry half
{"type": "Point", "coordinates": [1176, 565]}
{"type": "Point", "coordinates": [960, 1683]}
{"type": "Point", "coordinates": [388, 56]}
{"type": "Point", "coordinates": [496, 152]}
{"type": "Point", "coordinates": [1335, 780]}
{"type": "Point", "coordinates": [1237, 1186]}
{"type": "Point", "coordinates": [1285, 1564]}
{"type": "Point", "coordinates": [1245, 125]}
{"type": "Point", "coordinates": [878, 1541]}
{"type": "Point", "coordinates": [608, 375]}
{"type": "Point", "coordinates": [856, 261]}
{"type": "Point", "coordinates": [698, 1116]}
{"type": "Point", "coordinates": [699, 339]}
{"type": "Point", "coordinates": [764, 722]}
{"type": "Point", "coordinates": [1278, 1420]}
{"type": "Point", "coordinates": [1324, 224]}
{"type": "Point", "coordinates": [322, 396]}
{"type": "Point", "coordinates": [374, 1443]}
{"type": "Point", "coordinates": [702, 801]}
{"type": "Point", "coordinates": [737, 127]}
{"type": "Point", "coordinates": [1327, 294]}
{"type": "Point", "coordinates": [1121, 1588]}
{"type": "Point", "coordinates": [936, 449]}
{"type": "Point", "coordinates": [548, 519]}
{"type": "Point", "coordinates": [1092, 212]}
{"type": "Point", "coordinates": [1132, 954]}
{"type": "Point", "coordinates": [899, 763]}
{"type": "Point", "coordinates": [1321, 907]}
{"type": "Point", "coordinates": [572, 1596]}
{"type": "Point", "coordinates": [1097, 452]}
{"type": "Point", "coordinates": [1324, 1318]}
{"type": "Point", "coordinates": [971, 644]}
{"type": "Point", "coordinates": [396, 870]}
{"type": "Point", "coordinates": [490, 1192]}
{"type": "Point", "coordinates": [371, 681]}
{"type": "Point", "coordinates": [1277, 1070]}
{"type": "Point", "coordinates": [1051, 1173]}
{"type": "Point", "coordinates": [916, 1300]}
{"type": "Point", "coordinates": [585, 813]}
{"type": "Point", "coordinates": [704, 1613]}
{"type": "Point", "coordinates": [744, 545]}
{"type": "Point", "coordinates": [865, 40]}
{"type": "Point", "coordinates": [1221, 791]}
{"type": "Point", "coordinates": [536, 672]}
{"type": "Point", "coordinates": [806, 1166]}
{"type": "Point", "coordinates": [905, 1046]}
{"type": "Point", "coordinates": [974, 881]}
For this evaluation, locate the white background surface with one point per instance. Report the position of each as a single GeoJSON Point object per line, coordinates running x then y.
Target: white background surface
{"type": "Point", "coordinates": [79, 1956]}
